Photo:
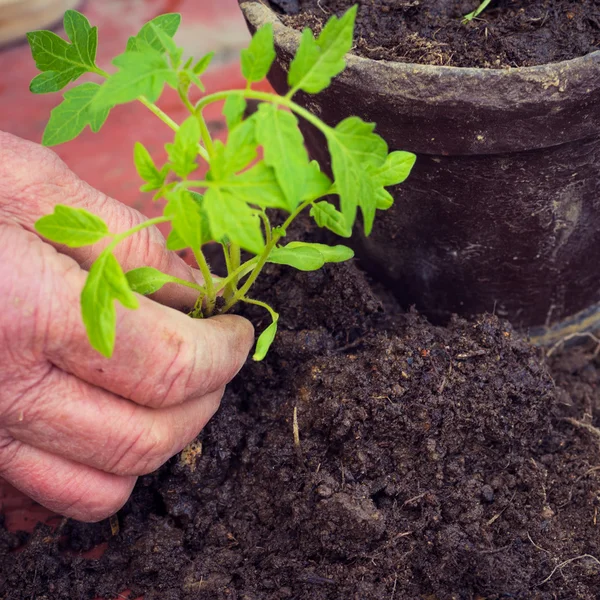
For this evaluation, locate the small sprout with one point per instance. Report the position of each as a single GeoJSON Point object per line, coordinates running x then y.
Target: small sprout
{"type": "Point", "coordinates": [476, 12]}
{"type": "Point", "coordinates": [262, 164]}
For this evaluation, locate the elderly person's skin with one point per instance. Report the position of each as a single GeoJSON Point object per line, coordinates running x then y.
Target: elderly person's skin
{"type": "Point", "coordinates": [76, 429]}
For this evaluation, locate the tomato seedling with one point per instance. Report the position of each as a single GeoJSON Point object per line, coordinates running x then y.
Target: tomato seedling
{"type": "Point", "coordinates": [231, 204]}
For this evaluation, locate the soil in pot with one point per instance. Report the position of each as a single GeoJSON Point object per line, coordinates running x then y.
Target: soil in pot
{"type": "Point", "coordinates": [435, 463]}
{"type": "Point", "coordinates": [509, 33]}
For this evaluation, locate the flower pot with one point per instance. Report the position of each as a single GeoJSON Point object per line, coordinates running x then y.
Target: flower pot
{"type": "Point", "coordinates": [17, 17]}
{"type": "Point", "coordinates": [502, 211]}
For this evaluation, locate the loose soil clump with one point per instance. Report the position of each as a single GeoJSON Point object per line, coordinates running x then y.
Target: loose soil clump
{"type": "Point", "coordinates": [434, 463]}
{"type": "Point", "coordinates": [509, 33]}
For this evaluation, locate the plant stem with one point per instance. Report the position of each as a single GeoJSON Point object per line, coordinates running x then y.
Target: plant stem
{"type": "Point", "coordinates": [265, 97]}
{"type": "Point", "coordinates": [208, 280]}
{"type": "Point", "coordinates": [261, 304]}
{"type": "Point", "coordinates": [240, 295]}
{"type": "Point", "coordinates": [119, 237]}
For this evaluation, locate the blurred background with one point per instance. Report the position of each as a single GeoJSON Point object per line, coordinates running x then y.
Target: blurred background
{"type": "Point", "coordinates": [105, 159]}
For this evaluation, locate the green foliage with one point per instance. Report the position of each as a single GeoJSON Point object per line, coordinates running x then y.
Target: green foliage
{"type": "Point", "coordinates": [147, 170]}
{"type": "Point", "coordinates": [259, 56]}
{"type": "Point", "coordinates": [141, 73]}
{"type": "Point", "coordinates": [61, 63]}
{"type": "Point", "coordinates": [318, 61]}
{"type": "Point", "coordinates": [73, 227]}
{"type": "Point", "coordinates": [105, 284]}
{"type": "Point", "coordinates": [72, 116]}
{"type": "Point", "coordinates": [262, 165]}
{"type": "Point", "coordinates": [476, 12]}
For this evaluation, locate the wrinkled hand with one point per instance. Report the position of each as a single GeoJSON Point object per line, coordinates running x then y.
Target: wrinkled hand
{"type": "Point", "coordinates": [75, 428]}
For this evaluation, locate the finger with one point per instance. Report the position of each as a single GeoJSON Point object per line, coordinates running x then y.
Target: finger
{"type": "Point", "coordinates": [28, 194]}
{"type": "Point", "coordinates": [162, 357]}
{"type": "Point", "coordinates": [83, 423]}
{"type": "Point", "coordinates": [63, 486]}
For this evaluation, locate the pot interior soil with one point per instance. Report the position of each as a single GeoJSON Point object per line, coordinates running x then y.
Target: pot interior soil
{"type": "Point", "coordinates": [434, 464]}
{"type": "Point", "coordinates": [509, 33]}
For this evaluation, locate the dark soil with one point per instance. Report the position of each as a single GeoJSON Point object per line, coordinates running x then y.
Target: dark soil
{"type": "Point", "coordinates": [435, 464]}
{"type": "Point", "coordinates": [509, 33]}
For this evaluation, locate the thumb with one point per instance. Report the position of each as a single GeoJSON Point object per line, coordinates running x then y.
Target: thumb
{"type": "Point", "coordinates": [34, 179]}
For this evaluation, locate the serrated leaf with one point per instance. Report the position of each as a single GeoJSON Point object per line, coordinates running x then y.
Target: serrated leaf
{"type": "Point", "coordinates": [146, 168]}
{"type": "Point", "coordinates": [278, 133]}
{"type": "Point", "coordinates": [355, 151]}
{"type": "Point", "coordinates": [303, 258]}
{"type": "Point", "coordinates": [331, 254]}
{"type": "Point", "coordinates": [73, 227]}
{"type": "Point", "coordinates": [327, 215]}
{"type": "Point", "coordinates": [318, 61]}
{"type": "Point", "coordinates": [385, 200]}
{"type": "Point", "coordinates": [241, 148]}
{"type": "Point", "coordinates": [184, 151]}
{"type": "Point", "coordinates": [72, 116]}
{"type": "Point", "coordinates": [148, 280]}
{"type": "Point", "coordinates": [105, 283]}
{"type": "Point", "coordinates": [260, 54]}
{"type": "Point", "coordinates": [58, 60]}
{"type": "Point", "coordinates": [203, 64]}
{"type": "Point", "coordinates": [395, 169]}
{"type": "Point", "coordinates": [83, 36]}
{"type": "Point", "coordinates": [258, 186]}
{"type": "Point", "coordinates": [234, 109]}
{"type": "Point", "coordinates": [316, 183]}
{"type": "Point", "coordinates": [150, 33]}
{"type": "Point", "coordinates": [232, 219]}
{"type": "Point", "coordinates": [187, 218]}
{"type": "Point", "coordinates": [265, 340]}
{"type": "Point", "coordinates": [54, 81]}
{"type": "Point", "coordinates": [140, 74]}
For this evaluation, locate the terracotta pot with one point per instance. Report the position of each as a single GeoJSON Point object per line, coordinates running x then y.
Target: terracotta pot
{"type": "Point", "coordinates": [17, 17]}
{"type": "Point", "coordinates": [502, 211]}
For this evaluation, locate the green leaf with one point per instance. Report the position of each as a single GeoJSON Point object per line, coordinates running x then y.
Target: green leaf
{"type": "Point", "coordinates": [385, 200]}
{"type": "Point", "coordinates": [277, 131]}
{"type": "Point", "coordinates": [234, 109]}
{"type": "Point", "coordinates": [331, 254]}
{"type": "Point", "coordinates": [317, 62]}
{"type": "Point", "coordinates": [147, 280]}
{"type": "Point", "coordinates": [73, 227]}
{"type": "Point", "coordinates": [258, 186]}
{"type": "Point", "coordinates": [241, 148]}
{"type": "Point", "coordinates": [184, 152]}
{"type": "Point", "coordinates": [203, 64]}
{"type": "Point", "coordinates": [140, 74]}
{"type": "Point", "coordinates": [187, 218]}
{"type": "Point", "coordinates": [153, 33]}
{"type": "Point", "coordinates": [266, 339]}
{"type": "Point", "coordinates": [355, 151]}
{"type": "Point", "coordinates": [59, 61]}
{"type": "Point", "coordinates": [105, 283]}
{"type": "Point", "coordinates": [53, 81]}
{"type": "Point", "coordinates": [83, 36]}
{"type": "Point", "coordinates": [326, 215]}
{"type": "Point", "coordinates": [260, 54]}
{"type": "Point", "coordinates": [316, 183]}
{"type": "Point", "coordinates": [72, 116]}
{"type": "Point", "coordinates": [303, 258]}
{"type": "Point", "coordinates": [232, 219]}
{"type": "Point", "coordinates": [395, 169]}
{"type": "Point", "coordinates": [146, 169]}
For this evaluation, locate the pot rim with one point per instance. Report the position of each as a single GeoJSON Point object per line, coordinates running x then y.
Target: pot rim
{"type": "Point", "coordinates": [258, 13]}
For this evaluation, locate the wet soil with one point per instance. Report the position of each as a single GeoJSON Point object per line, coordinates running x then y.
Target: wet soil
{"type": "Point", "coordinates": [435, 463]}
{"type": "Point", "coordinates": [509, 33]}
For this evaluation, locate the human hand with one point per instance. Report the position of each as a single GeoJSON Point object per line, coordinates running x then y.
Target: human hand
{"type": "Point", "coordinates": [76, 429]}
